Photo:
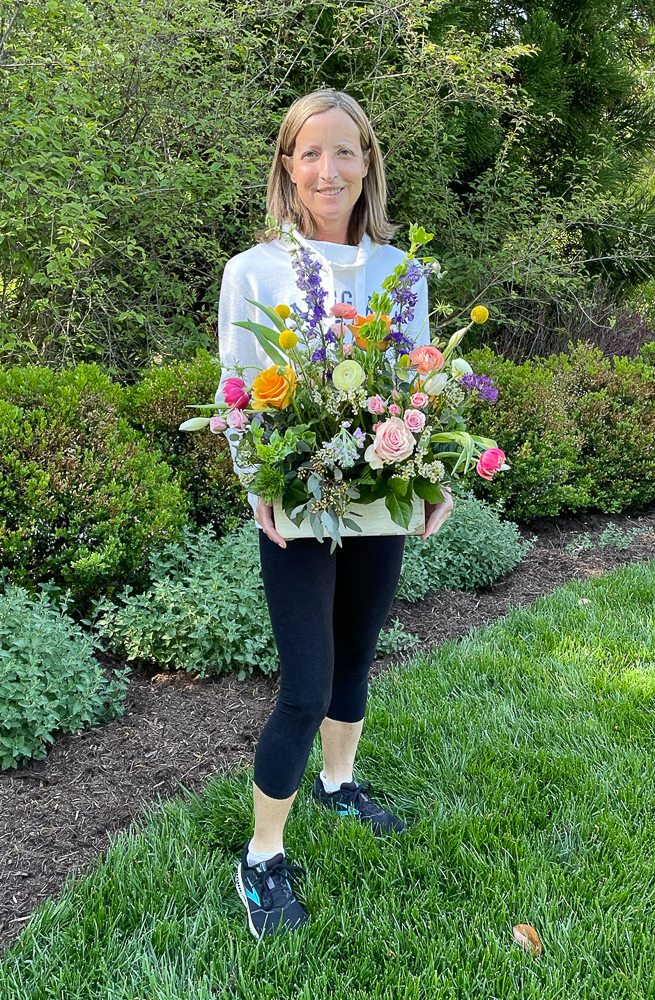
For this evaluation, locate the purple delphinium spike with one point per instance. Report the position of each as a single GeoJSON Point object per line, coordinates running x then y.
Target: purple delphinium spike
{"type": "Point", "coordinates": [308, 281]}
{"type": "Point", "coordinates": [405, 300]}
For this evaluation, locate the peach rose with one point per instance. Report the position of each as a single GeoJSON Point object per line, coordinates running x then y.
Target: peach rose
{"type": "Point", "coordinates": [273, 391]}
{"type": "Point", "coordinates": [414, 420]}
{"type": "Point", "coordinates": [343, 310]}
{"type": "Point", "coordinates": [426, 359]}
{"type": "Point", "coordinates": [490, 461]}
{"type": "Point", "coordinates": [393, 442]}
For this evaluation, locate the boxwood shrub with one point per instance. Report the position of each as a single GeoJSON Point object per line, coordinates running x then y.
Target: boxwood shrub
{"type": "Point", "coordinates": [84, 498]}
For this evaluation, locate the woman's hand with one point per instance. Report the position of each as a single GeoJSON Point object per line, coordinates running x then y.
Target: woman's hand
{"type": "Point", "coordinates": [264, 516]}
{"type": "Point", "coordinates": [437, 513]}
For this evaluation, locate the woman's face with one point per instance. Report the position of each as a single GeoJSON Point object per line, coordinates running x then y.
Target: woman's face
{"type": "Point", "coordinates": [327, 167]}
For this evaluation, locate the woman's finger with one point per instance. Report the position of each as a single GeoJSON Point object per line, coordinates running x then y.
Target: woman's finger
{"type": "Point", "coordinates": [264, 516]}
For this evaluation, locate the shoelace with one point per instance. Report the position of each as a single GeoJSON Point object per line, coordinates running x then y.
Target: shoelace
{"type": "Point", "coordinates": [275, 884]}
{"type": "Point", "coordinates": [360, 800]}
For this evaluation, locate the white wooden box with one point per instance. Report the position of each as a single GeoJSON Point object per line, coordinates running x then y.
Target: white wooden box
{"type": "Point", "coordinates": [375, 520]}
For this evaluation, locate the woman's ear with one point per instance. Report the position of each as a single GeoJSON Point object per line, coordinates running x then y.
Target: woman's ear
{"type": "Point", "coordinates": [367, 161]}
{"type": "Point", "coordinates": [287, 162]}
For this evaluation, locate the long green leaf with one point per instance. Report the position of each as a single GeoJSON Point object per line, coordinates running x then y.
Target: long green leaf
{"type": "Point", "coordinates": [272, 315]}
{"type": "Point", "coordinates": [262, 335]}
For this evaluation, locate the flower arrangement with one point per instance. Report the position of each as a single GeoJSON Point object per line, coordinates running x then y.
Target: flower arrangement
{"type": "Point", "coordinates": [331, 423]}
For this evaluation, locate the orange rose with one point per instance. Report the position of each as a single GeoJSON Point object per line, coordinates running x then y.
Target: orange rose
{"type": "Point", "coordinates": [362, 341]}
{"type": "Point", "coordinates": [271, 390]}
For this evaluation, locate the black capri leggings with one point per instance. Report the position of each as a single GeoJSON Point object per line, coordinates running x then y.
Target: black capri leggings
{"type": "Point", "coordinates": [327, 612]}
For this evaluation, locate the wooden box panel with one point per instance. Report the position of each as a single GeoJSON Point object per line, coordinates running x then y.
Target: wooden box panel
{"type": "Point", "coordinates": [375, 520]}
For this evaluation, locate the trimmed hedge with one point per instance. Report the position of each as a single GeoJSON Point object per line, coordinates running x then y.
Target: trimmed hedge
{"type": "Point", "coordinates": [578, 430]}
{"type": "Point", "coordinates": [84, 498]}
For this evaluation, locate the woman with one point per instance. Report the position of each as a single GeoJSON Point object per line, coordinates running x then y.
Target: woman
{"type": "Point", "coordinates": [327, 179]}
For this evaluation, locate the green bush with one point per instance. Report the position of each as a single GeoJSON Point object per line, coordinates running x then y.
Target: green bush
{"type": "Point", "coordinates": [83, 498]}
{"type": "Point", "coordinates": [206, 609]}
{"type": "Point", "coordinates": [578, 430]}
{"type": "Point", "coordinates": [157, 405]}
{"type": "Point", "coordinates": [472, 549]}
{"type": "Point", "coordinates": [50, 680]}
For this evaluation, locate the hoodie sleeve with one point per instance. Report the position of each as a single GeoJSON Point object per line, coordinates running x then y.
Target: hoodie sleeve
{"type": "Point", "coordinates": [236, 346]}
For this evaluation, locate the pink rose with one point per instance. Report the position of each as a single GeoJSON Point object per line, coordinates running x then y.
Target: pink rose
{"type": "Point", "coordinates": [393, 442]}
{"type": "Point", "coordinates": [235, 394]}
{"type": "Point", "coordinates": [395, 394]}
{"type": "Point", "coordinates": [375, 404]}
{"type": "Point", "coordinates": [237, 420]}
{"type": "Point", "coordinates": [426, 359]}
{"type": "Point", "coordinates": [489, 462]}
{"type": "Point", "coordinates": [343, 310]}
{"type": "Point", "coordinates": [420, 399]}
{"type": "Point", "coordinates": [414, 420]}
{"type": "Point", "coordinates": [394, 410]}
{"type": "Point", "coordinates": [347, 349]}
{"type": "Point", "coordinates": [376, 425]}
{"type": "Point", "coordinates": [217, 424]}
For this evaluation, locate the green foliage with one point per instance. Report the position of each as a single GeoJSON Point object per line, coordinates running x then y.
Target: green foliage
{"type": "Point", "coordinates": [136, 138]}
{"type": "Point", "coordinates": [83, 498]}
{"type": "Point", "coordinates": [472, 549]}
{"type": "Point", "coordinates": [395, 639]}
{"type": "Point", "coordinates": [206, 608]}
{"type": "Point", "coordinates": [50, 680]}
{"type": "Point", "coordinates": [156, 406]}
{"type": "Point", "coordinates": [578, 430]}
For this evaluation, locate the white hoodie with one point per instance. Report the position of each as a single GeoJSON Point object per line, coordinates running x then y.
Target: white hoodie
{"type": "Point", "coordinates": [264, 273]}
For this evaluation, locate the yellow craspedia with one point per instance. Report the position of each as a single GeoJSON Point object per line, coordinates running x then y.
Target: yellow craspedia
{"type": "Point", "coordinates": [283, 311]}
{"type": "Point", "coordinates": [287, 340]}
{"type": "Point", "coordinates": [479, 314]}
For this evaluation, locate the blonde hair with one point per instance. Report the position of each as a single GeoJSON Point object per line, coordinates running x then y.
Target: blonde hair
{"type": "Point", "coordinates": [369, 214]}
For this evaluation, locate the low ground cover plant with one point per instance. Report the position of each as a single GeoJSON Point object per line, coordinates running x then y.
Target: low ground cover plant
{"type": "Point", "coordinates": [50, 679]}
{"type": "Point", "coordinates": [521, 758]}
{"type": "Point", "coordinates": [206, 610]}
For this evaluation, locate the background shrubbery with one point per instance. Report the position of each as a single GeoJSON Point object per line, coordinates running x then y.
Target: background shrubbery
{"type": "Point", "coordinates": [136, 136]}
{"type": "Point", "coordinates": [578, 429]}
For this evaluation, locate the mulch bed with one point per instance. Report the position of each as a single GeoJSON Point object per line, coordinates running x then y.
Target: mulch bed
{"type": "Point", "coordinates": [177, 730]}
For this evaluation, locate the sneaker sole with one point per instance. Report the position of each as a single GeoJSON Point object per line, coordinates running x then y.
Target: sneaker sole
{"type": "Point", "coordinates": [242, 896]}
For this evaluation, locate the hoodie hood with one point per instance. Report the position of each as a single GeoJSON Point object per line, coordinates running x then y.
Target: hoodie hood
{"type": "Point", "coordinates": [334, 257]}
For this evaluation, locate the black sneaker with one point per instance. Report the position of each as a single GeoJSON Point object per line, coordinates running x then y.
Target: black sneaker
{"type": "Point", "coordinates": [352, 799]}
{"type": "Point", "coordinates": [266, 893]}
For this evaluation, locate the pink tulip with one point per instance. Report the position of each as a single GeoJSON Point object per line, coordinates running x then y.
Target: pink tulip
{"type": "Point", "coordinates": [490, 462]}
{"type": "Point", "coordinates": [235, 393]}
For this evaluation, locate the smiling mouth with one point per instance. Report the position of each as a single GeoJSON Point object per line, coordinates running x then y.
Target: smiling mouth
{"type": "Point", "coordinates": [331, 192]}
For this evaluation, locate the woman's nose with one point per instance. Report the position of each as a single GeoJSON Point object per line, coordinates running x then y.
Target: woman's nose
{"type": "Point", "coordinates": [328, 166]}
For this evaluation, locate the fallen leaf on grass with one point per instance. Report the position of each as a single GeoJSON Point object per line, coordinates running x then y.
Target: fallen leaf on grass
{"type": "Point", "coordinates": [528, 938]}
{"type": "Point", "coordinates": [584, 600]}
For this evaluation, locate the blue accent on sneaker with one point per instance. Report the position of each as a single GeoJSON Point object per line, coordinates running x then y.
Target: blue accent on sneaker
{"type": "Point", "coordinates": [265, 891]}
{"type": "Point", "coordinates": [353, 799]}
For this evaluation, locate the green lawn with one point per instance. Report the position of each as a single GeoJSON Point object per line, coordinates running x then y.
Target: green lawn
{"type": "Point", "coordinates": [523, 758]}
